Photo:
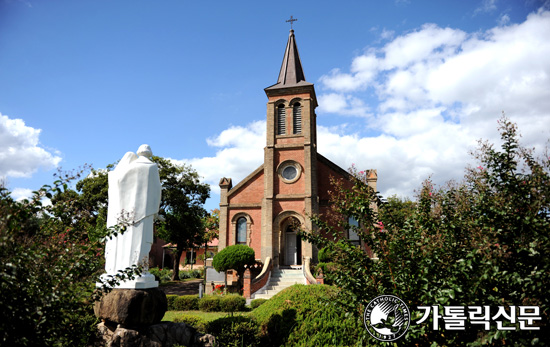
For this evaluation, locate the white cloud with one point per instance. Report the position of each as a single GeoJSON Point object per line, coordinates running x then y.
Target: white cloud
{"type": "Point", "coordinates": [439, 90]}
{"type": "Point", "coordinates": [19, 194]}
{"type": "Point", "coordinates": [240, 152]}
{"type": "Point", "coordinates": [469, 78]}
{"type": "Point", "coordinates": [20, 152]}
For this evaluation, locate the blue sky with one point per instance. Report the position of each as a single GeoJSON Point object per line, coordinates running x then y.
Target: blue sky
{"type": "Point", "coordinates": [406, 87]}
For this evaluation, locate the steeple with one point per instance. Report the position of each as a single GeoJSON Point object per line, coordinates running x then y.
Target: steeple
{"type": "Point", "coordinates": [292, 73]}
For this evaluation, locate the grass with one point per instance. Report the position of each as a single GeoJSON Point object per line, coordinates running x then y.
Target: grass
{"type": "Point", "coordinates": [208, 316]}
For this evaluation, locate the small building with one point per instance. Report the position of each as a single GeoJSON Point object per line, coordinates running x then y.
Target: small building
{"type": "Point", "coordinates": [263, 210]}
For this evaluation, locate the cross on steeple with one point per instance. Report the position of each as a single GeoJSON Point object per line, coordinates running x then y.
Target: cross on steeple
{"type": "Point", "coordinates": [291, 20]}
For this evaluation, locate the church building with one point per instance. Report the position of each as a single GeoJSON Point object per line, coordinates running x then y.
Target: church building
{"type": "Point", "coordinates": [263, 209]}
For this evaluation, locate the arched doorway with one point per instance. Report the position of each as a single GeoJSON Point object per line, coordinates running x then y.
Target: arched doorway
{"type": "Point", "coordinates": [293, 243]}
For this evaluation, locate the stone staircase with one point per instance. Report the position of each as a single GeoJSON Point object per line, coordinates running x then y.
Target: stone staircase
{"type": "Point", "coordinates": [281, 278]}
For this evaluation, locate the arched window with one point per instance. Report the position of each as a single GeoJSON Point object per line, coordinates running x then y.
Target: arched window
{"type": "Point", "coordinates": [281, 120]}
{"type": "Point", "coordinates": [241, 231]}
{"type": "Point", "coordinates": [297, 118]}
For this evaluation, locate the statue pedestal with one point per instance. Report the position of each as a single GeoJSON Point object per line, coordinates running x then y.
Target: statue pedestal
{"type": "Point", "coordinates": [132, 307]}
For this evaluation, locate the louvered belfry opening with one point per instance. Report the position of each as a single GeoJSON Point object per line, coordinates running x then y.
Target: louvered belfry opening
{"type": "Point", "coordinates": [297, 118]}
{"type": "Point", "coordinates": [281, 120]}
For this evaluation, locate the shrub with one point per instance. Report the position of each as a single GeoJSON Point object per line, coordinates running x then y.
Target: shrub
{"type": "Point", "coordinates": [324, 255]}
{"type": "Point", "coordinates": [235, 331]}
{"type": "Point", "coordinates": [299, 315]}
{"type": "Point", "coordinates": [196, 322]}
{"type": "Point", "coordinates": [50, 258]}
{"type": "Point", "coordinates": [170, 299]}
{"type": "Point", "coordinates": [210, 303]}
{"type": "Point", "coordinates": [481, 242]}
{"type": "Point", "coordinates": [161, 275]}
{"type": "Point", "coordinates": [234, 257]}
{"type": "Point", "coordinates": [256, 303]}
{"type": "Point", "coordinates": [232, 303]}
{"type": "Point", "coordinates": [186, 303]}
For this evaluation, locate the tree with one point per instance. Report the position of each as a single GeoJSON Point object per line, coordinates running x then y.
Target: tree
{"type": "Point", "coordinates": [48, 270]}
{"type": "Point", "coordinates": [234, 257]}
{"type": "Point", "coordinates": [482, 242]}
{"type": "Point", "coordinates": [211, 225]}
{"type": "Point", "coordinates": [396, 211]}
{"type": "Point", "coordinates": [183, 197]}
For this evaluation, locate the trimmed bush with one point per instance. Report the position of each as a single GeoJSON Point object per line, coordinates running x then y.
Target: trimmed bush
{"type": "Point", "coordinates": [196, 322]}
{"type": "Point", "coordinates": [186, 303]}
{"type": "Point", "coordinates": [235, 331]}
{"type": "Point", "coordinates": [233, 257]}
{"type": "Point", "coordinates": [210, 303]}
{"type": "Point", "coordinates": [257, 302]}
{"type": "Point", "coordinates": [303, 316]}
{"type": "Point", "coordinates": [232, 303]}
{"type": "Point", "coordinates": [170, 299]}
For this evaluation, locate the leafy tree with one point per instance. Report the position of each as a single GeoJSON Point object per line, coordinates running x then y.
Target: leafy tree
{"type": "Point", "coordinates": [234, 257]}
{"type": "Point", "coordinates": [183, 197]}
{"type": "Point", "coordinates": [48, 271]}
{"type": "Point", "coordinates": [482, 242]}
{"type": "Point", "coordinates": [395, 211]}
{"type": "Point", "coordinates": [211, 225]}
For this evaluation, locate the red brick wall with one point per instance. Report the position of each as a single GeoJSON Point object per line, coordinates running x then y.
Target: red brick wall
{"type": "Point", "coordinates": [297, 187]}
{"type": "Point", "coordinates": [251, 192]}
{"type": "Point", "coordinates": [255, 229]}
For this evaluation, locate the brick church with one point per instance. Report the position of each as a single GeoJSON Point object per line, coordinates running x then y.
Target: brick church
{"type": "Point", "coordinates": [262, 210]}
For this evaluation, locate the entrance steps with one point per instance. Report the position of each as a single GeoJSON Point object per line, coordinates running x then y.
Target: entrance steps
{"type": "Point", "coordinates": [281, 278]}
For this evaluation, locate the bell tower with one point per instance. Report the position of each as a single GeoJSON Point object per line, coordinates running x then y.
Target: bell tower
{"type": "Point", "coordinates": [290, 161]}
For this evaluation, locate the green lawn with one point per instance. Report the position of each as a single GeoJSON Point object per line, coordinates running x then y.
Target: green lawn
{"type": "Point", "coordinates": [208, 316]}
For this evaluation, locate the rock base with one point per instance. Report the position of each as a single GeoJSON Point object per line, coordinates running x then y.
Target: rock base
{"type": "Point", "coordinates": [132, 308]}
{"type": "Point", "coordinates": [165, 334]}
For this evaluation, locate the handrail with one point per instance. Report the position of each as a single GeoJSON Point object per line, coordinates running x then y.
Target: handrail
{"type": "Point", "coordinates": [307, 271]}
{"type": "Point", "coordinates": [265, 269]}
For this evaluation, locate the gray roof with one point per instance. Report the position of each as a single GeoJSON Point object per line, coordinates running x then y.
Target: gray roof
{"type": "Point", "coordinates": [292, 73]}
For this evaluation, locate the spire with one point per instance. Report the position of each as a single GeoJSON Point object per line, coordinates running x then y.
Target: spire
{"type": "Point", "coordinates": [291, 73]}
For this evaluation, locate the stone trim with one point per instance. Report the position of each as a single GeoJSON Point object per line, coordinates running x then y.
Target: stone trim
{"type": "Point", "coordinates": [239, 206]}
{"type": "Point", "coordinates": [249, 223]}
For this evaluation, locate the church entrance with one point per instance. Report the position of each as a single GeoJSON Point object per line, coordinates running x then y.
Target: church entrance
{"type": "Point", "coordinates": [293, 247]}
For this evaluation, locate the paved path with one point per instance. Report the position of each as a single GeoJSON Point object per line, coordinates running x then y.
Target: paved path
{"type": "Point", "coordinates": [182, 288]}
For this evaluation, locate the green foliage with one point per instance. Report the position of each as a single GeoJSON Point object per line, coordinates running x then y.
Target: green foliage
{"type": "Point", "coordinates": [232, 303]}
{"type": "Point", "coordinates": [210, 303]}
{"type": "Point", "coordinates": [234, 257]}
{"type": "Point", "coordinates": [162, 275]}
{"type": "Point", "coordinates": [194, 321]}
{"type": "Point", "coordinates": [300, 315]}
{"type": "Point", "coordinates": [186, 303]}
{"type": "Point", "coordinates": [49, 263]}
{"type": "Point", "coordinates": [235, 331]}
{"type": "Point", "coordinates": [183, 197]}
{"type": "Point", "coordinates": [170, 300]}
{"type": "Point", "coordinates": [324, 255]}
{"type": "Point", "coordinates": [257, 302]}
{"type": "Point", "coordinates": [482, 242]}
{"type": "Point", "coordinates": [396, 211]}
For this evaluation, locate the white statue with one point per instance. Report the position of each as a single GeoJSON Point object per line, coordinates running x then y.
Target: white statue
{"type": "Point", "coordinates": [134, 198]}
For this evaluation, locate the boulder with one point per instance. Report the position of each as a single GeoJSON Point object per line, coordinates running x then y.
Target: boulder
{"type": "Point", "coordinates": [165, 334]}
{"type": "Point", "coordinates": [132, 307]}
